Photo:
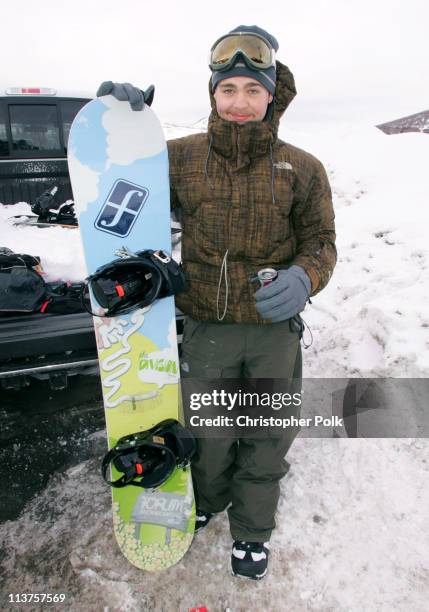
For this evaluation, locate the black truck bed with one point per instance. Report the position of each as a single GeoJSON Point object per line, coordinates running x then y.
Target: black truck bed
{"type": "Point", "coordinates": [36, 334]}
{"type": "Point", "coordinates": [45, 346]}
{"type": "Point", "coordinates": [49, 346]}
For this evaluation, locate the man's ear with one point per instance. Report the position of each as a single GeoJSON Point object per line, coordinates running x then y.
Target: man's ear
{"type": "Point", "coordinates": [270, 98]}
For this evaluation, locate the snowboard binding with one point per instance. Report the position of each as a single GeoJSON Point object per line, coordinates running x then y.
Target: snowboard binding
{"type": "Point", "coordinates": [147, 459]}
{"type": "Point", "coordinates": [49, 212]}
{"type": "Point", "coordinates": [135, 280]}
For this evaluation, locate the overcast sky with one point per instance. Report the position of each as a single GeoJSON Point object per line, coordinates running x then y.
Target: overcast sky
{"type": "Point", "coordinates": [349, 57]}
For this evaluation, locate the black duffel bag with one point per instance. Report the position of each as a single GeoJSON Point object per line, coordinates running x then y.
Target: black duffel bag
{"type": "Point", "coordinates": [23, 289]}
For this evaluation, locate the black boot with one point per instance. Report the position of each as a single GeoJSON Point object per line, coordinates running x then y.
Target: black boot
{"type": "Point", "coordinates": [202, 519]}
{"type": "Point", "coordinates": [249, 559]}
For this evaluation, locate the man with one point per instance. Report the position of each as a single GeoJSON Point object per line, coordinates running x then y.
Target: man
{"type": "Point", "coordinates": [248, 201]}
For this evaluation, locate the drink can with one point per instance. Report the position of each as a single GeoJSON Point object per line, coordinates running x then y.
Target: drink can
{"type": "Point", "coordinates": [266, 276]}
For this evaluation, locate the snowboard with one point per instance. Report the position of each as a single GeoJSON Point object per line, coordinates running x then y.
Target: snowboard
{"type": "Point", "coordinates": [118, 164]}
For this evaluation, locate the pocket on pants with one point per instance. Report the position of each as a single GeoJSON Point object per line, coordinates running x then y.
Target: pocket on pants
{"type": "Point", "coordinates": [194, 360]}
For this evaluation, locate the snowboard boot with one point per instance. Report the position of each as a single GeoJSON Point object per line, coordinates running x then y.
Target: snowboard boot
{"type": "Point", "coordinates": [249, 559]}
{"type": "Point", "coordinates": [202, 519]}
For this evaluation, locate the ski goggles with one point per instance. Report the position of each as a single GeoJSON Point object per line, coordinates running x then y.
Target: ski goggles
{"type": "Point", "coordinates": [255, 50]}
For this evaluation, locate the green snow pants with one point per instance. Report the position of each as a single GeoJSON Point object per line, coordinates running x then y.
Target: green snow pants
{"type": "Point", "coordinates": [242, 473]}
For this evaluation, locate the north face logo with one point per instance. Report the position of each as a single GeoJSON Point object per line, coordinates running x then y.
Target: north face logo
{"type": "Point", "coordinates": [283, 165]}
{"type": "Point", "coordinates": [121, 208]}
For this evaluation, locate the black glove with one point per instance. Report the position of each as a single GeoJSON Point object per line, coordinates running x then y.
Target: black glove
{"type": "Point", "coordinates": [125, 92]}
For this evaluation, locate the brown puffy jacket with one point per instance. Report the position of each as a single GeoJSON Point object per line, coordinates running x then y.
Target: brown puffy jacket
{"type": "Point", "coordinates": [248, 201]}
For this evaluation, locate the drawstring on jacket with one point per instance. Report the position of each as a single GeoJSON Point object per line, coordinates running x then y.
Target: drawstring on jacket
{"type": "Point", "coordinates": [224, 269]}
{"type": "Point", "coordinates": [272, 174]}
{"type": "Point", "coordinates": [206, 172]}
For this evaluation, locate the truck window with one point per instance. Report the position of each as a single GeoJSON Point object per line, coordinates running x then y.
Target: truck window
{"type": "Point", "coordinates": [69, 110]}
{"type": "Point", "coordinates": [4, 145]}
{"type": "Point", "coordinates": [34, 127]}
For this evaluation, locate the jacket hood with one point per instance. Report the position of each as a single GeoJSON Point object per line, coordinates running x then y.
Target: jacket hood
{"type": "Point", "coordinates": [283, 96]}
{"type": "Point", "coordinates": [255, 138]}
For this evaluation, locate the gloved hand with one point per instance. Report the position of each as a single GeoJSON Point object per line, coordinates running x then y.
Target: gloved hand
{"type": "Point", "coordinates": [125, 92]}
{"type": "Point", "coordinates": [285, 296]}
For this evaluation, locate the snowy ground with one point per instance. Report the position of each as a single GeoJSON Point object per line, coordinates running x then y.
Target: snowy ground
{"type": "Point", "coordinates": [352, 536]}
{"type": "Point", "coordinates": [352, 522]}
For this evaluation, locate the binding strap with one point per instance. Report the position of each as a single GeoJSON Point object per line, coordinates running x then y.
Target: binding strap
{"type": "Point", "coordinates": [147, 459]}
{"type": "Point", "coordinates": [135, 280]}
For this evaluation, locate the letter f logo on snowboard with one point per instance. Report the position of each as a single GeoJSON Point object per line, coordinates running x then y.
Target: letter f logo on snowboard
{"type": "Point", "coordinates": [121, 208]}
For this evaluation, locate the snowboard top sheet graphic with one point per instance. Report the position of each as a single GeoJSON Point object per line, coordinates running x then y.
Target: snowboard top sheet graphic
{"type": "Point", "coordinates": [118, 166]}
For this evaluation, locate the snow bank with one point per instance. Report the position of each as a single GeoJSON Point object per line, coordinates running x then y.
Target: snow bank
{"type": "Point", "coordinates": [60, 249]}
{"type": "Point", "coordinates": [372, 319]}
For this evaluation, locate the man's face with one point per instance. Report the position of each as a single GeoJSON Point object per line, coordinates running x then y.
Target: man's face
{"type": "Point", "coordinates": [241, 99]}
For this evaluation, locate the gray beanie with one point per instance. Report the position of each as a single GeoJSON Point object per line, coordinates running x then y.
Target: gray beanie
{"type": "Point", "coordinates": [266, 77]}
